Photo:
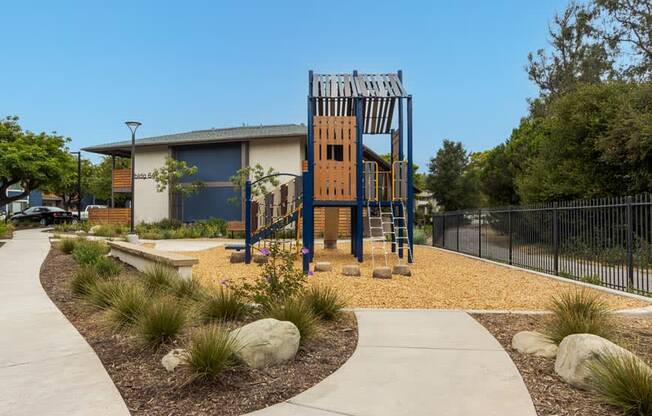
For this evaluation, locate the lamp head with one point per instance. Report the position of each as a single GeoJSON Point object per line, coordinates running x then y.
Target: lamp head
{"type": "Point", "coordinates": [133, 125]}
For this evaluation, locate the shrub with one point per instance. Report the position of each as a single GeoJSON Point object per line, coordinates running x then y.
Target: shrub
{"type": "Point", "coordinates": [159, 277]}
{"type": "Point", "coordinates": [161, 321]}
{"type": "Point", "coordinates": [128, 302]}
{"type": "Point", "coordinates": [6, 229]}
{"type": "Point", "coordinates": [324, 302]}
{"type": "Point", "coordinates": [103, 293]}
{"type": "Point", "coordinates": [296, 311]}
{"type": "Point", "coordinates": [186, 288]}
{"type": "Point", "coordinates": [419, 236]}
{"type": "Point", "coordinates": [222, 305]}
{"type": "Point", "coordinates": [210, 351]}
{"type": "Point", "coordinates": [280, 278]}
{"type": "Point", "coordinates": [67, 245]}
{"type": "Point", "coordinates": [87, 252]}
{"type": "Point", "coordinates": [623, 381]}
{"type": "Point", "coordinates": [83, 280]}
{"type": "Point", "coordinates": [578, 312]}
{"type": "Point", "coordinates": [107, 267]}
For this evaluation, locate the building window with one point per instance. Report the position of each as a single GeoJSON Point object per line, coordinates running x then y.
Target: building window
{"type": "Point", "coordinates": [335, 152]}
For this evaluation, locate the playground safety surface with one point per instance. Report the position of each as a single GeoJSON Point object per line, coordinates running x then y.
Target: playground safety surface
{"type": "Point", "coordinates": [439, 280]}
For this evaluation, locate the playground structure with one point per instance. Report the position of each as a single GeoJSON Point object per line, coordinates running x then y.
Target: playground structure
{"type": "Point", "coordinates": [342, 108]}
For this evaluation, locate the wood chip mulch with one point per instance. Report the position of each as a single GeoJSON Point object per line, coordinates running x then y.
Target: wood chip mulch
{"type": "Point", "coordinates": [551, 396]}
{"type": "Point", "coordinates": [148, 389]}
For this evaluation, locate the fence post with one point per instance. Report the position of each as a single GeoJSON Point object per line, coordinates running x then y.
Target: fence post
{"type": "Point", "coordinates": [509, 231]}
{"type": "Point", "coordinates": [630, 243]}
{"type": "Point", "coordinates": [480, 233]}
{"type": "Point", "coordinates": [555, 235]}
{"type": "Point", "coordinates": [443, 232]}
{"type": "Point", "coordinates": [433, 229]}
{"type": "Point", "coordinates": [457, 238]}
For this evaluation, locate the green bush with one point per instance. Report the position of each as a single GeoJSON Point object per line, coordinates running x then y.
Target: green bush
{"type": "Point", "coordinates": [110, 230]}
{"type": "Point", "coordinates": [280, 278]}
{"type": "Point", "coordinates": [107, 267]}
{"type": "Point", "coordinates": [623, 381]}
{"type": "Point", "coordinates": [102, 294]}
{"type": "Point", "coordinates": [296, 311]}
{"type": "Point", "coordinates": [419, 236]}
{"type": "Point", "coordinates": [210, 351]}
{"type": "Point", "coordinates": [83, 280]}
{"type": "Point", "coordinates": [67, 245]}
{"type": "Point", "coordinates": [222, 305]}
{"type": "Point", "coordinates": [128, 302]}
{"type": "Point", "coordinates": [159, 277]}
{"type": "Point", "coordinates": [578, 312]}
{"type": "Point", "coordinates": [6, 229]}
{"type": "Point", "coordinates": [214, 227]}
{"type": "Point", "coordinates": [87, 252]}
{"type": "Point", "coordinates": [324, 302]}
{"type": "Point", "coordinates": [161, 321]}
{"type": "Point", "coordinates": [186, 289]}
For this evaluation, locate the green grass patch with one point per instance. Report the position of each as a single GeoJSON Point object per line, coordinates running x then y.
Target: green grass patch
{"type": "Point", "coordinates": [298, 312]}
{"type": "Point", "coordinates": [83, 280]}
{"type": "Point", "coordinates": [210, 351]}
{"type": "Point", "coordinates": [102, 295]}
{"type": "Point", "coordinates": [107, 267]}
{"type": "Point", "coordinates": [324, 302]}
{"type": "Point", "coordinates": [87, 252]}
{"type": "Point", "coordinates": [159, 277]}
{"type": "Point", "coordinates": [127, 304]}
{"type": "Point", "coordinates": [222, 305]}
{"type": "Point", "coordinates": [66, 245]}
{"type": "Point", "coordinates": [161, 321]}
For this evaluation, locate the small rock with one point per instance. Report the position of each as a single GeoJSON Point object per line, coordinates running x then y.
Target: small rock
{"type": "Point", "coordinates": [351, 270]}
{"type": "Point", "coordinates": [260, 258]}
{"type": "Point", "coordinates": [535, 343]}
{"type": "Point", "coordinates": [174, 358]}
{"type": "Point", "coordinates": [80, 232]}
{"type": "Point", "coordinates": [382, 273]}
{"type": "Point", "coordinates": [402, 269]}
{"type": "Point", "coordinates": [576, 350]}
{"type": "Point", "coordinates": [267, 342]}
{"type": "Point", "coordinates": [323, 266]}
{"type": "Point", "coordinates": [94, 229]}
{"type": "Point", "coordinates": [237, 257]}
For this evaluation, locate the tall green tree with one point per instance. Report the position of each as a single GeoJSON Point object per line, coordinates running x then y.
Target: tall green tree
{"type": "Point", "coordinates": [66, 187]}
{"type": "Point", "coordinates": [452, 184]}
{"type": "Point", "coordinates": [101, 179]}
{"type": "Point", "coordinates": [30, 160]}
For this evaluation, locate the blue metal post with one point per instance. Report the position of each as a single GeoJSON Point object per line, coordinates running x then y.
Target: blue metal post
{"type": "Point", "coordinates": [352, 230]}
{"type": "Point", "coordinates": [359, 233]}
{"type": "Point", "coordinates": [308, 201]}
{"type": "Point", "coordinates": [248, 222]}
{"type": "Point", "coordinates": [410, 186]}
{"type": "Point", "coordinates": [400, 157]}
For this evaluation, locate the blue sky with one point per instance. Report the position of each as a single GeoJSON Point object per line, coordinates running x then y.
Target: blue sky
{"type": "Point", "coordinates": [83, 68]}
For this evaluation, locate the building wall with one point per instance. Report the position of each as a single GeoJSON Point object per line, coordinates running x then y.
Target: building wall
{"type": "Point", "coordinates": [150, 205]}
{"type": "Point", "coordinates": [283, 155]}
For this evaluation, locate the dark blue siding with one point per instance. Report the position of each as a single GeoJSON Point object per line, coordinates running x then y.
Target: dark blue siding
{"type": "Point", "coordinates": [211, 202]}
{"type": "Point", "coordinates": [216, 162]}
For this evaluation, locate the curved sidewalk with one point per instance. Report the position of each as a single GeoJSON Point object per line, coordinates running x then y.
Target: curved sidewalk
{"type": "Point", "coordinates": [46, 366]}
{"type": "Point", "coordinates": [417, 363]}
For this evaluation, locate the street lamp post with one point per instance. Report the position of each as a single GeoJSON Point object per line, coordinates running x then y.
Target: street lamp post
{"type": "Point", "coordinates": [79, 194]}
{"type": "Point", "coordinates": [133, 126]}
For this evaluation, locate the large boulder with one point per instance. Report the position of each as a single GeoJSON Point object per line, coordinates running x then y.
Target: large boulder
{"type": "Point", "coordinates": [174, 358]}
{"type": "Point", "coordinates": [535, 343]}
{"type": "Point", "coordinates": [267, 342]}
{"type": "Point", "coordinates": [574, 353]}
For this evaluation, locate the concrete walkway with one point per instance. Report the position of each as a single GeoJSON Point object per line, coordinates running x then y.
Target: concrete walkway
{"type": "Point", "coordinates": [46, 366]}
{"type": "Point", "coordinates": [417, 362]}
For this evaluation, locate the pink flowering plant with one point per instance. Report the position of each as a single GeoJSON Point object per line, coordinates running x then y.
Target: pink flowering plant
{"type": "Point", "coordinates": [280, 278]}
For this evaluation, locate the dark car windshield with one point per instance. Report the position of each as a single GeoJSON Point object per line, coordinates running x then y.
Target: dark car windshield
{"type": "Point", "coordinates": [31, 210]}
{"type": "Point", "coordinates": [55, 209]}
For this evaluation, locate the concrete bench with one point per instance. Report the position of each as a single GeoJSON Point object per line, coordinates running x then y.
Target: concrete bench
{"type": "Point", "coordinates": [143, 258]}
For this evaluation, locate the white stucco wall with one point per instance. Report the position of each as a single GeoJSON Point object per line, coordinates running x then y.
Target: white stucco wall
{"type": "Point", "coordinates": [284, 155]}
{"type": "Point", "coordinates": [150, 205]}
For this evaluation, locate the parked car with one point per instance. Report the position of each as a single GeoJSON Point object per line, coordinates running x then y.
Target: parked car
{"type": "Point", "coordinates": [84, 213]}
{"type": "Point", "coordinates": [44, 216]}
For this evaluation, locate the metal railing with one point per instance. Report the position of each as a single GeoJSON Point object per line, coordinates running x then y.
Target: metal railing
{"type": "Point", "coordinates": [606, 241]}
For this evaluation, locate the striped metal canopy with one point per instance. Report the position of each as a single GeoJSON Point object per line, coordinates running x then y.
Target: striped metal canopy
{"type": "Point", "coordinates": [334, 94]}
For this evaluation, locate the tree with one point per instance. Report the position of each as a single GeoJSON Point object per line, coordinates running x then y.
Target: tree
{"type": "Point", "coordinates": [262, 178]}
{"type": "Point", "coordinates": [418, 179]}
{"type": "Point", "coordinates": [576, 55]}
{"type": "Point", "coordinates": [100, 180]}
{"type": "Point", "coordinates": [450, 181]}
{"type": "Point", "coordinates": [170, 177]}
{"type": "Point", "coordinates": [30, 160]}
{"type": "Point", "coordinates": [66, 187]}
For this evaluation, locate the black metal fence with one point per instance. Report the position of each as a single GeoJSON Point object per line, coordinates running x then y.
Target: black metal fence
{"type": "Point", "coordinates": [606, 241]}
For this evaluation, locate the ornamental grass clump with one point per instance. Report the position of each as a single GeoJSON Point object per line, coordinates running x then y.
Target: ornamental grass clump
{"type": "Point", "coordinates": [87, 252]}
{"type": "Point", "coordinates": [66, 245]}
{"type": "Point", "coordinates": [107, 267]}
{"type": "Point", "coordinates": [210, 351]}
{"type": "Point", "coordinates": [102, 295]}
{"type": "Point", "coordinates": [127, 304]}
{"type": "Point", "coordinates": [83, 280]}
{"type": "Point", "coordinates": [161, 321]}
{"type": "Point", "coordinates": [222, 305]}
{"type": "Point", "coordinates": [159, 277]}
{"type": "Point", "coordinates": [623, 381]}
{"type": "Point", "coordinates": [324, 301]}
{"type": "Point", "coordinates": [578, 312]}
{"type": "Point", "coordinates": [298, 312]}
{"type": "Point", "coordinates": [187, 289]}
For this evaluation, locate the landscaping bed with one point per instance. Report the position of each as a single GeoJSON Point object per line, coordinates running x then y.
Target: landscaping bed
{"type": "Point", "coordinates": [148, 388]}
{"type": "Point", "coordinates": [440, 279]}
{"type": "Point", "coordinates": [551, 396]}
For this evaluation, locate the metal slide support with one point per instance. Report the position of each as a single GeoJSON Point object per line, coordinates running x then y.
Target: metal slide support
{"type": "Point", "coordinates": [248, 222]}
{"type": "Point", "coordinates": [400, 154]}
{"type": "Point", "coordinates": [359, 185]}
{"type": "Point", "coordinates": [308, 202]}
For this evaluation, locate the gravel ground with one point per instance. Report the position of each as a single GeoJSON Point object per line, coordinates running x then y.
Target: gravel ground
{"type": "Point", "coordinates": [439, 280]}
{"type": "Point", "coordinates": [551, 396]}
{"type": "Point", "coordinates": [148, 389]}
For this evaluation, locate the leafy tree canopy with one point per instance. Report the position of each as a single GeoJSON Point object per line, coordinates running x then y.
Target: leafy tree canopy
{"type": "Point", "coordinates": [451, 181]}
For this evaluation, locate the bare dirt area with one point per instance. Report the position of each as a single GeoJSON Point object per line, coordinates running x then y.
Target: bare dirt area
{"type": "Point", "coordinates": [148, 389]}
{"type": "Point", "coordinates": [439, 279]}
{"type": "Point", "coordinates": [551, 396]}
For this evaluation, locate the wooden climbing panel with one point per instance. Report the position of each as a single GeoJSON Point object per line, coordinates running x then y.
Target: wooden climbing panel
{"type": "Point", "coordinates": [335, 157]}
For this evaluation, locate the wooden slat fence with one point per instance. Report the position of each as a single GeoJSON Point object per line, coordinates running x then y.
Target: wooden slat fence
{"type": "Point", "coordinates": [109, 216]}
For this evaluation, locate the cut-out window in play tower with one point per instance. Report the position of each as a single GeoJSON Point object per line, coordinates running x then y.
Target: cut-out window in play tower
{"type": "Point", "coordinates": [335, 152]}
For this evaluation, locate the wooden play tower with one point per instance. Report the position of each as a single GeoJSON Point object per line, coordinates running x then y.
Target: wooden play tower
{"type": "Point", "coordinates": [342, 109]}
